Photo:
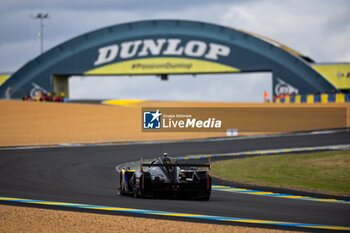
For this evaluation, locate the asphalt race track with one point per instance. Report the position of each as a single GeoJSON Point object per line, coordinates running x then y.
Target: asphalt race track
{"type": "Point", "coordinates": [87, 175]}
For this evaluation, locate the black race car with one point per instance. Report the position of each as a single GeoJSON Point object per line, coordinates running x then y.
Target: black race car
{"type": "Point", "coordinates": [165, 177]}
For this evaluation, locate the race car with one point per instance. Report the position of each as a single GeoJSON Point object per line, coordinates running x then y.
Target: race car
{"type": "Point", "coordinates": [165, 177]}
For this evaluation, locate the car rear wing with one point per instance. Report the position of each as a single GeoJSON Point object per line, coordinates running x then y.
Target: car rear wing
{"type": "Point", "coordinates": [176, 165]}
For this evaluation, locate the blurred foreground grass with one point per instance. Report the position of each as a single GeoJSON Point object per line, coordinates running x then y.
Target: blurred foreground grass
{"type": "Point", "coordinates": [322, 172]}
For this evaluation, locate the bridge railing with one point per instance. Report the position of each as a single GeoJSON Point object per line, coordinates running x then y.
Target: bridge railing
{"type": "Point", "coordinates": [314, 98]}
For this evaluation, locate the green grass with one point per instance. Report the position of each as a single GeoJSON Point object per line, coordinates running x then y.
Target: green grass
{"type": "Point", "coordinates": [323, 172]}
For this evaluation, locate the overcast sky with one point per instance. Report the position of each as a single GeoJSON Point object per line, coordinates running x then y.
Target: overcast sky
{"type": "Point", "coordinates": [319, 29]}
